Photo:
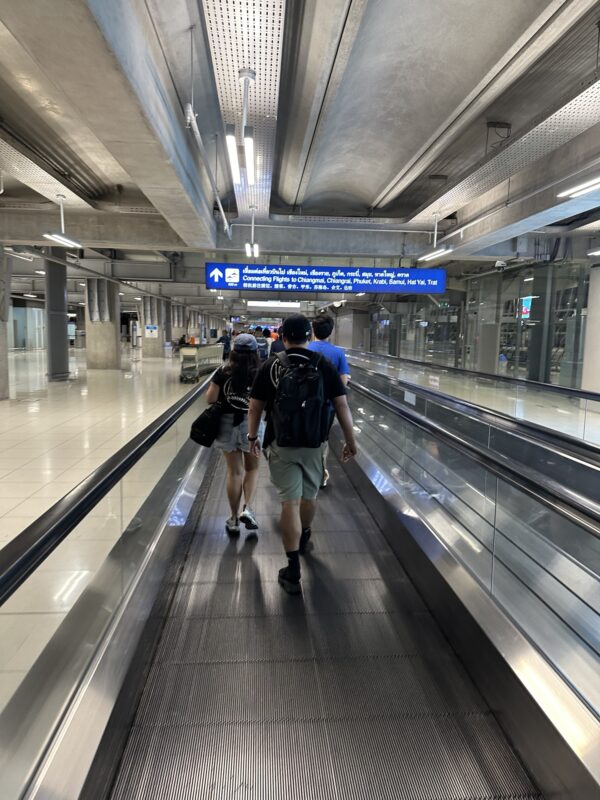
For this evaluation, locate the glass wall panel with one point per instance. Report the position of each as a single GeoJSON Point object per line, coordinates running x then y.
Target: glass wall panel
{"type": "Point", "coordinates": [526, 323]}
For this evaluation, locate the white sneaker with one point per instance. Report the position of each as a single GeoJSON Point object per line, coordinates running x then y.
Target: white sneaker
{"type": "Point", "coordinates": [248, 518]}
{"type": "Point", "coordinates": [325, 479]}
{"type": "Point", "coordinates": [232, 526]}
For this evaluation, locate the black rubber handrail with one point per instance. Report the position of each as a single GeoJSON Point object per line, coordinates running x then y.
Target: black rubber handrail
{"type": "Point", "coordinates": [21, 556]}
{"type": "Point", "coordinates": [490, 376]}
{"type": "Point", "coordinates": [556, 441]}
{"type": "Point", "coordinates": [549, 493]}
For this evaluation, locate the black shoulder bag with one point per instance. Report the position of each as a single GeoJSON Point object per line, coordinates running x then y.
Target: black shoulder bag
{"type": "Point", "coordinates": [205, 428]}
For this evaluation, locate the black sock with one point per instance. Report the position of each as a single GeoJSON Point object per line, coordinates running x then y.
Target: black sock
{"type": "Point", "coordinates": [293, 564]}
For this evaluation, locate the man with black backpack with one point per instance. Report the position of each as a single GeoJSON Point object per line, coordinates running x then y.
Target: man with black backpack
{"type": "Point", "coordinates": [296, 387]}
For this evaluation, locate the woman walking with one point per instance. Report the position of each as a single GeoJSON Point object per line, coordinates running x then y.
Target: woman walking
{"type": "Point", "coordinates": [230, 387]}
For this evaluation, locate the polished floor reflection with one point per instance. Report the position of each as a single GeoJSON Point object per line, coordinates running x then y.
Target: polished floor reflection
{"type": "Point", "coordinates": [53, 435]}
{"type": "Point", "coordinates": [570, 415]}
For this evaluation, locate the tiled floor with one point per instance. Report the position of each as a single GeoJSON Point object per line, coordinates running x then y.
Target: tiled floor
{"type": "Point", "coordinates": [570, 415]}
{"type": "Point", "coordinates": [53, 435]}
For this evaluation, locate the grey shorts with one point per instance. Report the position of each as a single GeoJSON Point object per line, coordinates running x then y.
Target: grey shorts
{"type": "Point", "coordinates": [296, 472]}
{"type": "Point", "coordinates": [230, 438]}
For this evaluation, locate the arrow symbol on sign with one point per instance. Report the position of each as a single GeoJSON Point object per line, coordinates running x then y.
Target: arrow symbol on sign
{"type": "Point", "coordinates": [216, 274]}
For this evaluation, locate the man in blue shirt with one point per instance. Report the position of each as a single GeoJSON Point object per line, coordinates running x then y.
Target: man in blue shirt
{"type": "Point", "coordinates": [322, 329]}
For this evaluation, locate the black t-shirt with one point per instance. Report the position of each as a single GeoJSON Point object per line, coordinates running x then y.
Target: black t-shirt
{"type": "Point", "coordinates": [267, 378]}
{"type": "Point", "coordinates": [230, 400]}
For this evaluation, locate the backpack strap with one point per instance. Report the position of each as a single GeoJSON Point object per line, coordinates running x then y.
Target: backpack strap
{"type": "Point", "coordinates": [284, 359]}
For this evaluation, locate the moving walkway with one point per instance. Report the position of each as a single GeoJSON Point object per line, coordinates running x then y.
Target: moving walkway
{"type": "Point", "coordinates": [446, 644]}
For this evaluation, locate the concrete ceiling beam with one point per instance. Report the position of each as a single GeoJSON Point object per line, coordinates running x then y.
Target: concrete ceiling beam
{"type": "Point", "coordinates": [314, 241]}
{"type": "Point", "coordinates": [105, 58]}
{"type": "Point", "coordinates": [528, 202]}
{"type": "Point", "coordinates": [543, 33]}
{"type": "Point", "coordinates": [122, 231]}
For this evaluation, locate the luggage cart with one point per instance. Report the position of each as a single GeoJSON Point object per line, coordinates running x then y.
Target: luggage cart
{"type": "Point", "coordinates": [190, 367]}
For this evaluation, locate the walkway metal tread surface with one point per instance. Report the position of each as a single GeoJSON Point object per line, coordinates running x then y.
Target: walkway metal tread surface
{"type": "Point", "coordinates": [349, 691]}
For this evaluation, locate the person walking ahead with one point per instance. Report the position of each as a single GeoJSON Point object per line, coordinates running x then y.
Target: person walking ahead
{"type": "Point", "coordinates": [225, 340]}
{"type": "Point", "coordinates": [322, 329]}
{"type": "Point", "coordinates": [230, 386]}
{"type": "Point", "coordinates": [295, 387]}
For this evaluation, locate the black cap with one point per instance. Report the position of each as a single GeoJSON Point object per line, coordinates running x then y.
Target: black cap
{"type": "Point", "coordinates": [296, 328]}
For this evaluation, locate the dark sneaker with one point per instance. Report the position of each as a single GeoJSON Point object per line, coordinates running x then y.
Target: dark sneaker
{"type": "Point", "coordinates": [305, 545]}
{"type": "Point", "coordinates": [289, 582]}
{"type": "Point", "coordinates": [248, 518]}
{"type": "Point", "coordinates": [232, 526]}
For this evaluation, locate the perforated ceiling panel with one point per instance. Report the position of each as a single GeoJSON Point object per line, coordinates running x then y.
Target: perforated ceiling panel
{"type": "Point", "coordinates": [560, 127]}
{"type": "Point", "coordinates": [28, 173]}
{"type": "Point", "coordinates": [248, 34]}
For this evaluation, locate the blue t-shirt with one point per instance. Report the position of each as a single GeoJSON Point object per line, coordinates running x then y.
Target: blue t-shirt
{"type": "Point", "coordinates": [334, 353]}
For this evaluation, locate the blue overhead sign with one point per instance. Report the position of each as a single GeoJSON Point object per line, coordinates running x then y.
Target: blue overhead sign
{"type": "Point", "coordinates": [273, 278]}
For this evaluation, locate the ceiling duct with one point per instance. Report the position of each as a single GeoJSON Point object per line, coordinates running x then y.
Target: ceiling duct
{"type": "Point", "coordinates": [39, 178]}
{"type": "Point", "coordinates": [547, 133]}
{"type": "Point", "coordinates": [246, 35]}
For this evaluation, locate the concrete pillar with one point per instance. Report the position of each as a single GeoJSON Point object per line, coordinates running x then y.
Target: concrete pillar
{"type": "Point", "coordinates": [80, 328]}
{"type": "Point", "coordinates": [102, 324]}
{"type": "Point", "coordinates": [153, 328]}
{"type": "Point", "coordinates": [57, 333]}
{"type": "Point", "coordinates": [352, 330]}
{"type": "Point", "coordinates": [4, 311]}
{"type": "Point", "coordinates": [590, 380]}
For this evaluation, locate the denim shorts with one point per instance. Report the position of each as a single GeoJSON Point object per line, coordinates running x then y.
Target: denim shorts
{"type": "Point", "coordinates": [230, 438]}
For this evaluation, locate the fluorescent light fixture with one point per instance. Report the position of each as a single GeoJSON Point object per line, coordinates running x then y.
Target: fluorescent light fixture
{"type": "Point", "coordinates": [272, 304]}
{"type": "Point", "coordinates": [234, 162]}
{"type": "Point", "coordinates": [137, 298]}
{"type": "Point", "coordinates": [82, 284]}
{"type": "Point", "coordinates": [40, 272]}
{"type": "Point", "coordinates": [22, 256]}
{"type": "Point", "coordinates": [360, 294]}
{"type": "Point", "coordinates": [214, 291]}
{"type": "Point", "coordinates": [220, 297]}
{"type": "Point", "coordinates": [121, 294]}
{"type": "Point", "coordinates": [255, 250]}
{"type": "Point", "coordinates": [581, 188]}
{"type": "Point", "coordinates": [526, 280]}
{"type": "Point", "coordinates": [249, 154]}
{"type": "Point", "coordinates": [594, 253]}
{"type": "Point", "coordinates": [61, 239]}
{"type": "Point", "coordinates": [28, 294]}
{"type": "Point", "coordinates": [80, 304]}
{"type": "Point", "coordinates": [248, 249]}
{"type": "Point", "coordinates": [435, 253]}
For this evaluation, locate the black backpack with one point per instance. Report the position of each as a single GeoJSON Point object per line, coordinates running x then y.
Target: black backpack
{"type": "Point", "coordinates": [300, 412]}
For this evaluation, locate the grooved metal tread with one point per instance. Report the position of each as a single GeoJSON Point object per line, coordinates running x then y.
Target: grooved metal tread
{"type": "Point", "coordinates": [349, 691]}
